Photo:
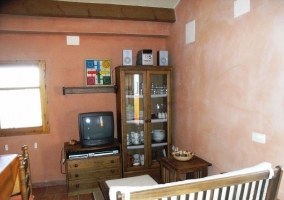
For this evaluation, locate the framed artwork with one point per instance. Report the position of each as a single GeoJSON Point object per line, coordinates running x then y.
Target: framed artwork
{"type": "Point", "coordinates": [97, 72]}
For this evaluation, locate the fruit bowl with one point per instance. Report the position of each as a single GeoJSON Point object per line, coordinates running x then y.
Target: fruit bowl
{"type": "Point", "coordinates": [182, 155]}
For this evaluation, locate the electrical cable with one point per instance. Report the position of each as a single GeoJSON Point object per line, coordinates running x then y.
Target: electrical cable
{"type": "Point", "coordinates": [62, 161]}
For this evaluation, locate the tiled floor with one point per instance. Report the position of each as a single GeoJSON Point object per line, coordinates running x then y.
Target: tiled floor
{"type": "Point", "coordinates": [59, 192]}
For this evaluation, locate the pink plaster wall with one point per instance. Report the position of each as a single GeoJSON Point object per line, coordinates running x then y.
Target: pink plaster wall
{"type": "Point", "coordinates": [229, 83]}
{"type": "Point", "coordinates": [29, 38]}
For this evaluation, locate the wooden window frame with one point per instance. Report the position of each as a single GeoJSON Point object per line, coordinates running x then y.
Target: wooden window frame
{"type": "Point", "coordinates": [45, 128]}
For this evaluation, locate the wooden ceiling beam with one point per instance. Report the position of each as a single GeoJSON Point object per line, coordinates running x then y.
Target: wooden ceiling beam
{"type": "Point", "coordinates": [49, 8]}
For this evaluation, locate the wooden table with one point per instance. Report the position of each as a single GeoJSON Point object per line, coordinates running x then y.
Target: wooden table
{"type": "Point", "coordinates": [9, 166]}
{"type": "Point", "coordinates": [171, 169]}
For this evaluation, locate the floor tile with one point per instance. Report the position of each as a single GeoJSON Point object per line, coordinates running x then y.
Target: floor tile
{"type": "Point", "coordinates": [66, 197]}
{"type": "Point", "coordinates": [39, 191]}
{"type": "Point", "coordinates": [59, 192]}
{"type": "Point", "coordinates": [58, 189]}
{"type": "Point", "coordinates": [51, 197]}
{"type": "Point", "coordinates": [87, 197]}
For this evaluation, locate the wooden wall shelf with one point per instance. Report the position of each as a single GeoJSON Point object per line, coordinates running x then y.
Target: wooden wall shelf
{"type": "Point", "coordinates": [84, 90]}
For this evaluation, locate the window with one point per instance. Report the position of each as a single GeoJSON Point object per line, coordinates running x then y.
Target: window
{"type": "Point", "coordinates": [23, 101]}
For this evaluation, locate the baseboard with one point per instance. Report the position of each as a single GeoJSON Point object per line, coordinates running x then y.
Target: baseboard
{"type": "Point", "coordinates": [49, 183]}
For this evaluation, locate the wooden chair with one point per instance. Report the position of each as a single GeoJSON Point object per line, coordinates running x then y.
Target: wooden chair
{"type": "Point", "coordinates": [25, 183]}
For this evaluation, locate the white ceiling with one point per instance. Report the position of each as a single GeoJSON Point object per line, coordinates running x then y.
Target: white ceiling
{"type": "Point", "coordinates": [147, 3]}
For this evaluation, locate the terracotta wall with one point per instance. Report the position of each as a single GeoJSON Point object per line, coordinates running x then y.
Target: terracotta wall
{"type": "Point", "coordinates": [229, 83]}
{"type": "Point", "coordinates": [25, 38]}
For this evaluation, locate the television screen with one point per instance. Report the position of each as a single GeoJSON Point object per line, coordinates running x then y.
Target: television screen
{"type": "Point", "coordinates": [96, 128]}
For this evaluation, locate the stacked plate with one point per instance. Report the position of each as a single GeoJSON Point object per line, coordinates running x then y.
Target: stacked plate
{"type": "Point", "coordinates": [129, 114]}
{"type": "Point", "coordinates": [141, 114]}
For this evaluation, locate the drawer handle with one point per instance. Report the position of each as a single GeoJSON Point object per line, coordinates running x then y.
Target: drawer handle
{"type": "Point", "coordinates": [77, 185]}
{"type": "Point", "coordinates": [112, 171]}
{"type": "Point", "coordinates": [76, 175]}
{"type": "Point", "coordinates": [76, 165]}
{"type": "Point", "coordinates": [112, 161]}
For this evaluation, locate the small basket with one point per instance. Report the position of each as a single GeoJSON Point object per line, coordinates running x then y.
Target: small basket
{"type": "Point", "coordinates": [182, 155]}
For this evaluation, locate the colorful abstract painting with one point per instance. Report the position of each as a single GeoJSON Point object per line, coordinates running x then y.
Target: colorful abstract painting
{"type": "Point", "coordinates": [98, 72]}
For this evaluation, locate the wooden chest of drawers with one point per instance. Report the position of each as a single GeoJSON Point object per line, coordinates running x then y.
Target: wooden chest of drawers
{"type": "Point", "coordinates": [83, 175]}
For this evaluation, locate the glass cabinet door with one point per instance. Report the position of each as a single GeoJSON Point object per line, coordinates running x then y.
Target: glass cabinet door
{"type": "Point", "coordinates": [159, 116]}
{"type": "Point", "coordinates": [134, 123]}
{"type": "Point", "coordinates": [144, 126]}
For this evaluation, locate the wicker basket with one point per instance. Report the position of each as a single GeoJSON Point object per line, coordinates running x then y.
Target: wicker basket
{"type": "Point", "coordinates": [182, 155]}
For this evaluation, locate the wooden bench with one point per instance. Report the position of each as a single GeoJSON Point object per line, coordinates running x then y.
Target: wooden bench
{"type": "Point", "coordinates": [251, 183]}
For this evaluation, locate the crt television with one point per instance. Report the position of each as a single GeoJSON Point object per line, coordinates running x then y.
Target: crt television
{"type": "Point", "coordinates": [96, 128]}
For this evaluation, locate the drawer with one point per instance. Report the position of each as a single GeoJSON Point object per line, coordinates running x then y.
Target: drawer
{"type": "Point", "coordinates": [87, 174]}
{"type": "Point", "coordinates": [94, 163]}
{"type": "Point", "coordinates": [84, 184]}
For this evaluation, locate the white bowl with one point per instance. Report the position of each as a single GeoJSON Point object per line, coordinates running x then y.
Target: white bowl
{"type": "Point", "coordinates": [158, 135]}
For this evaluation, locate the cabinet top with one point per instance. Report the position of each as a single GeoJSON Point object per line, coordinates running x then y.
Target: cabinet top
{"type": "Point", "coordinates": [79, 147]}
{"type": "Point", "coordinates": [144, 67]}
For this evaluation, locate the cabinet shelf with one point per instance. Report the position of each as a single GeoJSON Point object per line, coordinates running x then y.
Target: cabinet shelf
{"type": "Point", "coordinates": [142, 146]}
{"type": "Point", "coordinates": [141, 96]}
{"type": "Point", "coordinates": [85, 90]}
{"type": "Point", "coordinates": [142, 121]}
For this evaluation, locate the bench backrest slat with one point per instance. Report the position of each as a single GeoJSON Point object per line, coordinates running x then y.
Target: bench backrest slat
{"type": "Point", "coordinates": [254, 184]}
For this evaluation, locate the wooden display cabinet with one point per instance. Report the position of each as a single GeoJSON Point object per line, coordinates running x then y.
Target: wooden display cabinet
{"type": "Point", "coordinates": [143, 105]}
{"type": "Point", "coordinates": [83, 174]}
